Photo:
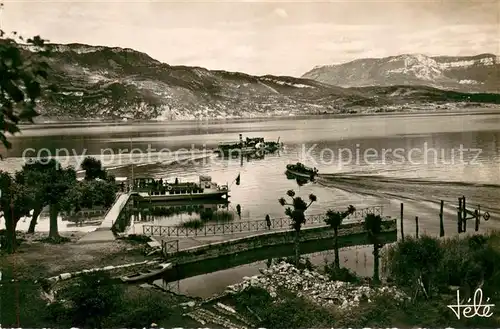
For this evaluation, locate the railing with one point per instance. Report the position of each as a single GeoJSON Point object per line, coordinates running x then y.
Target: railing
{"type": "Point", "coordinates": [248, 226]}
{"type": "Point", "coordinates": [170, 247]}
{"type": "Point", "coordinates": [83, 213]}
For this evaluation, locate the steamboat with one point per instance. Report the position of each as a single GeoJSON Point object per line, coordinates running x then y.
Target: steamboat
{"type": "Point", "coordinates": [161, 190]}
{"type": "Point", "coordinates": [248, 146]}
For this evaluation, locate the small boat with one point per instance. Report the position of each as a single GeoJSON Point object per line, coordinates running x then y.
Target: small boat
{"type": "Point", "coordinates": [273, 146]}
{"type": "Point", "coordinates": [300, 170]}
{"type": "Point", "coordinates": [147, 274]}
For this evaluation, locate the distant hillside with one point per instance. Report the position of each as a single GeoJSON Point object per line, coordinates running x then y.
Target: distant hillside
{"type": "Point", "coordinates": [115, 83]}
{"type": "Point", "coordinates": [479, 73]}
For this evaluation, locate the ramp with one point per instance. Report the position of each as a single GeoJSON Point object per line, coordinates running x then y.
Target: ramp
{"type": "Point", "coordinates": [114, 211]}
{"type": "Point", "coordinates": [103, 233]}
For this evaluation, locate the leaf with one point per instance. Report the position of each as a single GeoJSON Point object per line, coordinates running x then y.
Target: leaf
{"type": "Point", "coordinates": [13, 91]}
{"type": "Point", "coordinates": [41, 73]}
{"type": "Point", "coordinates": [5, 142]}
{"type": "Point", "coordinates": [10, 128]}
{"type": "Point", "coordinates": [33, 89]}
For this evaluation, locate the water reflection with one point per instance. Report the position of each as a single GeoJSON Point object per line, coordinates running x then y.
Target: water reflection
{"type": "Point", "coordinates": [182, 212]}
{"type": "Point", "coordinates": [301, 181]}
{"type": "Point", "coordinates": [248, 157]}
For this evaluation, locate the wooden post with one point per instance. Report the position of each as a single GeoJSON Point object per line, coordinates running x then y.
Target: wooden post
{"type": "Point", "coordinates": [416, 226]}
{"type": "Point", "coordinates": [441, 222]}
{"type": "Point", "coordinates": [402, 231]}
{"type": "Point", "coordinates": [459, 215]}
{"type": "Point", "coordinates": [476, 214]}
{"type": "Point", "coordinates": [464, 216]}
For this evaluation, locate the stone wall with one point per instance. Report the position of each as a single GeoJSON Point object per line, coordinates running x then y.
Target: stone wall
{"type": "Point", "coordinates": [349, 234]}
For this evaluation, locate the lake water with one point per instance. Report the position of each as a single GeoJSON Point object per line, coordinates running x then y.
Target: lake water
{"type": "Point", "coordinates": [413, 159]}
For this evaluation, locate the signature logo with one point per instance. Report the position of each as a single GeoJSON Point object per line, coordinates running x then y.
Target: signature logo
{"type": "Point", "coordinates": [475, 309]}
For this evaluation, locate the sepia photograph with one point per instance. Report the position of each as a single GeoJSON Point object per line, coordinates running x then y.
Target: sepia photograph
{"type": "Point", "coordinates": [249, 164]}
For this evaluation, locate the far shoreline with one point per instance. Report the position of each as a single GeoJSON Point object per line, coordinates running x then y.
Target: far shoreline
{"type": "Point", "coordinates": [491, 109]}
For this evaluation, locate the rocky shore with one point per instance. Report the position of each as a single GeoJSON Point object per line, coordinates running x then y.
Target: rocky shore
{"type": "Point", "coordinates": [315, 287]}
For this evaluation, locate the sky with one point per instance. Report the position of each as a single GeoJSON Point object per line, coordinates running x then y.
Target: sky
{"type": "Point", "coordinates": [264, 37]}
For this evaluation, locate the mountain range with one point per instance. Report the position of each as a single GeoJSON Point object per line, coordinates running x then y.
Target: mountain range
{"type": "Point", "coordinates": [479, 73]}
{"type": "Point", "coordinates": [104, 83]}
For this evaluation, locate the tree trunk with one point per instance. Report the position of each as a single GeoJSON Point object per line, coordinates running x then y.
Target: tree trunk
{"type": "Point", "coordinates": [297, 246]}
{"type": "Point", "coordinates": [36, 212]}
{"type": "Point", "coordinates": [376, 278]}
{"type": "Point", "coordinates": [336, 248]}
{"type": "Point", "coordinates": [10, 234]}
{"type": "Point", "coordinates": [54, 212]}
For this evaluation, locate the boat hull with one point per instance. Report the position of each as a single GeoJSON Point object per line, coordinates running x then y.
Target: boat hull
{"type": "Point", "coordinates": [301, 174]}
{"type": "Point", "coordinates": [145, 276]}
{"type": "Point", "coordinates": [236, 151]}
{"type": "Point", "coordinates": [198, 196]}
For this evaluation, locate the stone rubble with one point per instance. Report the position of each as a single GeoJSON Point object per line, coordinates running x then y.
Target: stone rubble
{"type": "Point", "coordinates": [314, 286]}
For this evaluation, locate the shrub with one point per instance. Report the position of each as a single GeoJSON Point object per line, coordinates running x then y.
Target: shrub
{"type": "Point", "coordinates": [340, 274]}
{"type": "Point", "coordinates": [91, 300]}
{"type": "Point", "coordinates": [414, 260]}
{"type": "Point", "coordinates": [140, 311]}
{"type": "Point", "coordinates": [255, 298]}
{"type": "Point", "coordinates": [464, 262]}
{"type": "Point", "coordinates": [193, 223]}
{"type": "Point", "coordinates": [288, 311]}
{"type": "Point", "coordinates": [297, 312]}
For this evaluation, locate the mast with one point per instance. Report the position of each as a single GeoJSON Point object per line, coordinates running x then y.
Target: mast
{"type": "Point", "coordinates": [131, 163]}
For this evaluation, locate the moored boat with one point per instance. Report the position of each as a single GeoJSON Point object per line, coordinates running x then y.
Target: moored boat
{"type": "Point", "coordinates": [147, 274]}
{"type": "Point", "coordinates": [161, 190]}
{"type": "Point", "coordinates": [300, 170]}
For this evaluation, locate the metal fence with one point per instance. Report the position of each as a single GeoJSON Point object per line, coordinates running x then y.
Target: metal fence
{"type": "Point", "coordinates": [249, 226]}
{"type": "Point", "coordinates": [170, 247]}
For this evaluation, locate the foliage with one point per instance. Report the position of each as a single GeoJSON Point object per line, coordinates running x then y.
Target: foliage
{"type": "Point", "coordinates": [193, 224]}
{"type": "Point", "coordinates": [36, 176]}
{"type": "Point", "coordinates": [464, 262]}
{"type": "Point", "coordinates": [289, 312]}
{"type": "Point", "coordinates": [21, 81]}
{"type": "Point", "coordinates": [297, 215]}
{"type": "Point", "coordinates": [21, 305]}
{"type": "Point", "coordinates": [334, 219]}
{"type": "Point", "coordinates": [421, 313]}
{"type": "Point", "coordinates": [96, 301]}
{"type": "Point", "coordinates": [373, 227]}
{"type": "Point", "coordinates": [299, 207]}
{"type": "Point", "coordinates": [416, 260]}
{"type": "Point", "coordinates": [93, 169]}
{"type": "Point", "coordinates": [220, 216]}
{"type": "Point", "coordinates": [335, 273]}
{"type": "Point", "coordinates": [139, 311]}
{"type": "Point", "coordinates": [95, 193]}
{"type": "Point", "coordinates": [256, 299]}
{"type": "Point", "coordinates": [92, 300]}
{"type": "Point", "coordinates": [15, 201]}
